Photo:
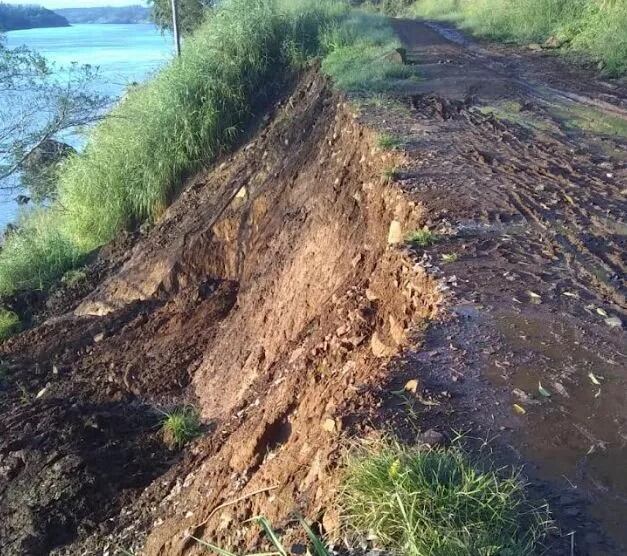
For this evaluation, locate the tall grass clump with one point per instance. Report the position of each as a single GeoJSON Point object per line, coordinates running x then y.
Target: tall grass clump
{"type": "Point", "coordinates": [136, 159]}
{"type": "Point", "coordinates": [592, 27]}
{"type": "Point", "coordinates": [357, 50]}
{"type": "Point", "coordinates": [434, 502]}
{"type": "Point", "coordinates": [37, 253]}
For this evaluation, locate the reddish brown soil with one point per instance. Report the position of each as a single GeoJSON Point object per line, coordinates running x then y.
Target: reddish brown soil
{"type": "Point", "coordinates": [269, 297]}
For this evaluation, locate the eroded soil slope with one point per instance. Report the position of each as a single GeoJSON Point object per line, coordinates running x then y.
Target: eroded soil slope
{"type": "Point", "coordinates": [268, 297]}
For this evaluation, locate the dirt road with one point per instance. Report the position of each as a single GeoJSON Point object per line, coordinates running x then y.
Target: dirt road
{"type": "Point", "coordinates": [520, 162]}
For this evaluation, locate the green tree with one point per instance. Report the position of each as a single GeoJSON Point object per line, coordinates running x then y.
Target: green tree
{"type": "Point", "coordinates": [38, 103]}
{"type": "Point", "coordinates": [191, 13]}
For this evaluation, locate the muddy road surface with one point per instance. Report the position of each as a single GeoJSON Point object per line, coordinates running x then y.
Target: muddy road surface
{"type": "Point", "coordinates": [520, 160]}
{"type": "Point", "coordinates": [279, 295]}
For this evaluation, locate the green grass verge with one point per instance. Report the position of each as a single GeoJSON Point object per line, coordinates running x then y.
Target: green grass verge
{"type": "Point", "coordinates": [358, 55]}
{"type": "Point", "coordinates": [593, 27]}
{"type": "Point", "coordinates": [136, 159]}
{"type": "Point", "coordinates": [437, 503]}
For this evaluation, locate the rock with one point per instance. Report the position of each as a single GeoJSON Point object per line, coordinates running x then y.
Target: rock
{"type": "Point", "coordinates": [397, 331]}
{"type": "Point", "coordinates": [329, 425]}
{"type": "Point", "coordinates": [331, 523]}
{"type": "Point", "coordinates": [370, 295]}
{"type": "Point", "coordinates": [99, 337]}
{"type": "Point", "coordinates": [431, 438]}
{"type": "Point", "coordinates": [395, 234]}
{"type": "Point", "coordinates": [553, 42]}
{"type": "Point", "coordinates": [412, 386]}
{"type": "Point", "coordinates": [42, 392]}
{"type": "Point", "coordinates": [49, 152]}
{"type": "Point", "coordinates": [397, 56]}
{"type": "Point", "coordinates": [614, 322]}
{"type": "Point", "coordinates": [379, 349]}
{"type": "Point", "coordinates": [535, 47]}
{"type": "Point", "coordinates": [22, 199]}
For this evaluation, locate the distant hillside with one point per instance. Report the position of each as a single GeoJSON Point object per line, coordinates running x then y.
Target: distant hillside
{"type": "Point", "coordinates": [124, 14]}
{"type": "Point", "coordinates": [14, 17]}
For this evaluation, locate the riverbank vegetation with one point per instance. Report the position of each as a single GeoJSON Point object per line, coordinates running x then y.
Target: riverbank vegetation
{"type": "Point", "coordinates": [596, 28]}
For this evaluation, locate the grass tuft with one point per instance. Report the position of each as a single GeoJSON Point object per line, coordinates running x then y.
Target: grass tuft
{"type": "Point", "coordinates": [389, 142]}
{"type": "Point", "coordinates": [9, 324]}
{"type": "Point", "coordinates": [422, 237]}
{"type": "Point", "coordinates": [435, 502]}
{"type": "Point", "coordinates": [318, 548]}
{"type": "Point", "coordinates": [73, 277]}
{"type": "Point", "coordinates": [181, 426]}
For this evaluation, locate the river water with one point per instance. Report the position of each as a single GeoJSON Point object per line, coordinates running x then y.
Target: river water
{"type": "Point", "coordinates": [124, 54]}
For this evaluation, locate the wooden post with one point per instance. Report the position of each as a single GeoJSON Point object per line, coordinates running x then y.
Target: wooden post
{"type": "Point", "coordinates": [175, 27]}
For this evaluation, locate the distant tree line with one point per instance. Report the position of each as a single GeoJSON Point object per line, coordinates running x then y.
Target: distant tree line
{"type": "Point", "coordinates": [14, 17]}
{"type": "Point", "coordinates": [108, 14]}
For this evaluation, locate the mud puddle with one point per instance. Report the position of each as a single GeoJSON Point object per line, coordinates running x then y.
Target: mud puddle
{"type": "Point", "coordinates": [573, 392]}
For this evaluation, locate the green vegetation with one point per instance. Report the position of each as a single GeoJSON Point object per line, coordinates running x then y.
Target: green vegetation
{"type": "Point", "coordinates": [434, 502]}
{"type": "Point", "coordinates": [449, 257]}
{"type": "Point", "coordinates": [9, 324]}
{"type": "Point", "coordinates": [593, 27]}
{"type": "Point", "coordinates": [389, 142]}
{"type": "Point", "coordinates": [191, 13]}
{"type": "Point", "coordinates": [37, 254]}
{"type": "Point", "coordinates": [579, 117]}
{"type": "Point", "coordinates": [136, 159]}
{"type": "Point", "coordinates": [358, 54]}
{"type": "Point", "coordinates": [422, 237]}
{"type": "Point", "coordinates": [390, 174]}
{"type": "Point", "coordinates": [317, 547]}
{"type": "Point", "coordinates": [181, 425]}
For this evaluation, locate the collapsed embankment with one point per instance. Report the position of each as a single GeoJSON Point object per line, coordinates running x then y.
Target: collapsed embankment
{"type": "Point", "coordinates": [270, 295]}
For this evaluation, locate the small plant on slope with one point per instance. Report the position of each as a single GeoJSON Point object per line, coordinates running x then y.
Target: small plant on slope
{"type": "Point", "coordinates": [422, 238]}
{"type": "Point", "coordinates": [389, 142]}
{"type": "Point", "coordinates": [9, 324]}
{"type": "Point", "coordinates": [436, 503]}
{"type": "Point", "coordinates": [181, 426]}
